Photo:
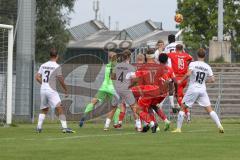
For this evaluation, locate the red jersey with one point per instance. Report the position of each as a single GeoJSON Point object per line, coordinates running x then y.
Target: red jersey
{"type": "Point", "coordinates": [180, 62]}
{"type": "Point", "coordinates": [153, 77]}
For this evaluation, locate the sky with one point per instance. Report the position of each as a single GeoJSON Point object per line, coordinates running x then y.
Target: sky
{"type": "Point", "coordinates": [126, 12]}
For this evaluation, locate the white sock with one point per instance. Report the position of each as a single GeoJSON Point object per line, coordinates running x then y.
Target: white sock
{"type": "Point", "coordinates": [152, 124]}
{"type": "Point", "coordinates": [41, 118]}
{"type": "Point", "coordinates": [119, 122]}
{"type": "Point", "coordinates": [166, 121]}
{"type": "Point", "coordinates": [63, 121]}
{"type": "Point", "coordinates": [215, 118]}
{"type": "Point", "coordinates": [188, 116]}
{"type": "Point", "coordinates": [107, 123]}
{"type": "Point", "coordinates": [180, 119]}
{"type": "Point", "coordinates": [171, 101]}
{"type": "Point", "coordinates": [138, 123]}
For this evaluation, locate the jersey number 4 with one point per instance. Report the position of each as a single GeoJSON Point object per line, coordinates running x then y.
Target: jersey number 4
{"type": "Point", "coordinates": [46, 76]}
{"type": "Point", "coordinates": [120, 78]}
{"type": "Point", "coordinates": [200, 77]}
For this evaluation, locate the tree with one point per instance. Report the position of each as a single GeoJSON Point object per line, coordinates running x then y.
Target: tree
{"type": "Point", "coordinates": [8, 11]}
{"type": "Point", "coordinates": [52, 18]}
{"type": "Point", "coordinates": [200, 22]}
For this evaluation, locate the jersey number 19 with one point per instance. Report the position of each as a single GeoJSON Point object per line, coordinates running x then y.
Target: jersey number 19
{"type": "Point", "coordinates": [200, 77]}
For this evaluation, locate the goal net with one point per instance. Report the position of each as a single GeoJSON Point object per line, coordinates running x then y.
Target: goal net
{"type": "Point", "coordinates": [6, 73]}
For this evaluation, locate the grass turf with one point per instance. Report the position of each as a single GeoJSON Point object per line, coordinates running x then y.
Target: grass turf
{"type": "Point", "coordinates": [199, 140]}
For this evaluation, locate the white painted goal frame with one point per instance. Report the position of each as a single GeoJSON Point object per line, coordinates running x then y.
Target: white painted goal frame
{"type": "Point", "coordinates": [9, 73]}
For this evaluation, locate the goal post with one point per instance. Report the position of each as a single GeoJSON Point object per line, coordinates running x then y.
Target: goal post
{"type": "Point", "coordinates": [9, 71]}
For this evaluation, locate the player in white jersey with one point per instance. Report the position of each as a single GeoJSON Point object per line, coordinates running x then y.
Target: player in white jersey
{"type": "Point", "coordinates": [159, 49]}
{"type": "Point", "coordinates": [171, 47]}
{"type": "Point", "coordinates": [199, 73]}
{"type": "Point", "coordinates": [47, 75]}
{"type": "Point", "coordinates": [121, 74]}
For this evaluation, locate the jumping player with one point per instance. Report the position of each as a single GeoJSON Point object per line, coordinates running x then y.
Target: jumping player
{"type": "Point", "coordinates": [50, 72]}
{"type": "Point", "coordinates": [122, 74]}
{"type": "Point", "coordinates": [140, 60]}
{"type": "Point", "coordinates": [199, 73]}
{"type": "Point", "coordinates": [171, 47]}
{"type": "Point", "coordinates": [180, 62]}
{"type": "Point", "coordinates": [106, 90]}
{"type": "Point", "coordinates": [156, 73]}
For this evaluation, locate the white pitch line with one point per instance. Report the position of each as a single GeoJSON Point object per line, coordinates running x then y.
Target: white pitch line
{"type": "Point", "coordinates": [87, 136]}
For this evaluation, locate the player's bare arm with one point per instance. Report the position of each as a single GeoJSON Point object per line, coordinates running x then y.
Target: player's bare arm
{"type": "Point", "coordinates": [186, 76]}
{"type": "Point", "coordinates": [211, 79]}
{"type": "Point", "coordinates": [113, 76]}
{"type": "Point", "coordinates": [61, 80]}
{"type": "Point", "coordinates": [38, 77]}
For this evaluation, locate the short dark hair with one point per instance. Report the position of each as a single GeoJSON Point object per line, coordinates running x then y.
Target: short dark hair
{"type": "Point", "coordinates": [201, 53]}
{"type": "Point", "coordinates": [179, 47]}
{"type": "Point", "coordinates": [163, 58]}
{"type": "Point", "coordinates": [150, 51]}
{"type": "Point", "coordinates": [53, 52]}
{"type": "Point", "coordinates": [126, 54]}
{"type": "Point", "coordinates": [171, 38]}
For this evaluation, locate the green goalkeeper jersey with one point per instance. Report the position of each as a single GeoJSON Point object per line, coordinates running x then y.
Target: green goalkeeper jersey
{"type": "Point", "coordinates": [107, 85]}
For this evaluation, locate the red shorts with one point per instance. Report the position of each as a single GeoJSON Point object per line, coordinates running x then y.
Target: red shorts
{"type": "Point", "coordinates": [181, 87]}
{"type": "Point", "coordinates": [147, 102]}
{"type": "Point", "coordinates": [148, 91]}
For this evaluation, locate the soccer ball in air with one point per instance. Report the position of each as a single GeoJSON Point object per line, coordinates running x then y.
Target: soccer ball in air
{"type": "Point", "coordinates": [179, 18]}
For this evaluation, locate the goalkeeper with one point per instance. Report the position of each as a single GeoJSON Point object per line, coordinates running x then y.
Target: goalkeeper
{"type": "Point", "coordinates": [106, 90]}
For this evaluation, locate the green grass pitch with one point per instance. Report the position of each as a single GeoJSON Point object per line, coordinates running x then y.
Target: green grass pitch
{"type": "Point", "coordinates": [199, 140]}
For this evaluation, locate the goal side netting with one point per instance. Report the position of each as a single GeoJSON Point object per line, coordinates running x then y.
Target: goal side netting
{"type": "Point", "coordinates": [6, 73]}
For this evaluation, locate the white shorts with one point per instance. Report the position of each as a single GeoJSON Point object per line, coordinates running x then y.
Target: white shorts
{"type": "Point", "coordinates": [49, 98]}
{"type": "Point", "coordinates": [123, 96]}
{"type": "Point", "coordinates": [195, 95]}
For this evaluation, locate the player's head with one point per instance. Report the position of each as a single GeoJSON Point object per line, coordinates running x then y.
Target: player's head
{"type": "Point", "coordinates": [53, 54]}
{"type": "Point", "coordinates": [112, 56]}
{"type": "Point", "coordinates": [163, 58]}
{"type": "Point", "coordinates": [179, 48]}
{"type": "Point", "coordinates": [150, 54]}
{"type": "Point", "coordinates": [171, 38]}
{"type": "Point", "coordinates": [201, 53]}
{"type": "Point", "coordinates": [160, 44]}
{"type": "Point", "coordinates": [140, 58]}
{"type": "Point", "coordinates": [126, 55]}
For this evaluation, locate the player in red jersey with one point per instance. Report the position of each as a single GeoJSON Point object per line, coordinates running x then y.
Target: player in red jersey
{"type": "Point", "coordinates": [123, 74]}
{"type": "Point", "coordinates": [180, 61]}
{"type": "Point", "coordinates": [155, 87]}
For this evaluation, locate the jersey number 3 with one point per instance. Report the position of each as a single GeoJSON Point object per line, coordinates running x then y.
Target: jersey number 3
{"type": "Point", "coordinates": [46, 76]}
{"type": "Point", "coordinates": [200, 77]}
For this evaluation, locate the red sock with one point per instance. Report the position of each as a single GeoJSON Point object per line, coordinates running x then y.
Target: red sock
{"type": "Point", "coordinates": [146, 117]}
{"type": "Point", "coordinates": [121, 116]}
{"type": "Point", "coordinates": [152, 117]}
{"type": "Point", "coordinates": [161, 114]}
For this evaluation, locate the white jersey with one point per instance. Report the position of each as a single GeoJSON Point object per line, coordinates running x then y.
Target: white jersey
{"type": "Point", "coordinates": [156, 55]}
{"type": "Point", "coordinates": [200, 72]}
{"type": "Point", "coordinates": [171, 47]}
{"type": "Point", "coordinates": [49, 71]}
